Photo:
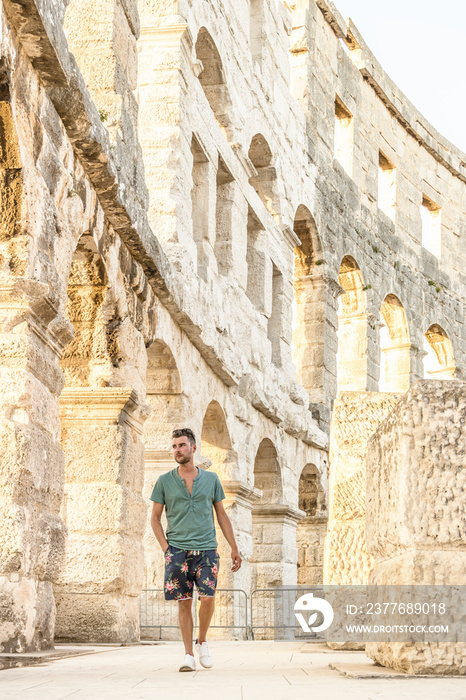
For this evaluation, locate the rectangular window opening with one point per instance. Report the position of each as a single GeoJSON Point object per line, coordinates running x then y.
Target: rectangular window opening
{"type": "Point", "coordinates": [431, 226]}
{"type": "Point", "coordinates": [387, 186]}
{"type": "Point", "coordinates": [343, 149]}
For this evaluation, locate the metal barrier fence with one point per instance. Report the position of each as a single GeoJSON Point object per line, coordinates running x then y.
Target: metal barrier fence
{"type": "Point", "coordinates": [267, 613]}
{"type": "Point", "coordinates": [231, 611]}
{"type": "Point", "coordinates": [272, 611]}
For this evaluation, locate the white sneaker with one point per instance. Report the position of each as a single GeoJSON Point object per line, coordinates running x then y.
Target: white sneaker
{"type": "Point", "coordinates": [188, 664]}
{"type": "Point", "coordinates": [205, 658]}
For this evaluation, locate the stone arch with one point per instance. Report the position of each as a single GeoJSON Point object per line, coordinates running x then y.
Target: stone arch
{"type": "Point", "coordinates": [310, 249]}
{"type": "Point", "coordinates": [439, 361]}
{"type": "Point", "coordinates": [163, 394]}
{"type": "Point", "coordinates": [265, 180]}
{"type": "Point", "coordinates": [395, 365]}
{"type": "Point", "coordinates": [101, 437]}
{"type": "Point", "coordinates": [352, 328]}
{"type": "Point", "coordinates": [218, 455]}
{"type": "Point", "coordinates": [165, 398]}
{"type": "Point", "coordinates": [212, 77]}
{"type": "Point", "coordinates": [216, 442]}
{"type": "Point", "coordinates": [269, 522]}
{"type": "Point", "coordinates": [314, 306]}
{"type": "Point", "coordinates": [311, 530]}
{"type": "Point", "coordinates": [267, 473]}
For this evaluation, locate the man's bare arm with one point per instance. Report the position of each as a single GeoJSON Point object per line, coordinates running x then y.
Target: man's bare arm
{"type": "Point", "coordinates": [227, 529]}
{"type": "Point", "coordinates": [156, 524]}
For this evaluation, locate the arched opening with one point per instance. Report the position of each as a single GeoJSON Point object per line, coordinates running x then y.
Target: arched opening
{"type": "Point", "coordinates": [267, 473]}
{"type": "Point", "coordinates": [267, 528]}
{"type": "Point", "coordinates": [265, 180]}
{"type": "Point", "coordinates": [274, 554]}
{"type": "Point", "coordinates": [218, 455]}
{"type": "Point", "coordinates": [102, 442]}
{"type": "Point", "coordinates": [395, 364]}
{"type": "Point", "coordinates": [311, 530]}
{"type": "Point", "coordinates": [311, 295]}
{"type": "Point", "coordinates": [352, 329]}
{"type": "Point", "coordinates": [216, 443]}
{"type": "Point", "coordinates": [164, 396]}
{"type": "Point", "coordinates": [212, 77]}
{"type": "Point", "coordinates": [439, 362]}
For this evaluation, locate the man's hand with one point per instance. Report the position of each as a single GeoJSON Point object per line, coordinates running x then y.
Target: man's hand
{"type": "Point", "coordinates": [236, 559]}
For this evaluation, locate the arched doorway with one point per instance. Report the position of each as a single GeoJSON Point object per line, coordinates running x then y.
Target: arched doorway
{"type": "Point", "coordinates": [311, 530]}
{"type": "Point", "coordinates": [164, 396]}
{"type": "Point", "coordinates": [439, 362]}
{"type": "Point", "coordinates": [212, 77]}
{"type": "Point", "coordinates": [97, 591]}
{"type": "Point", "coordinates": [314, 317]}
{"type": "Point", "coordinates": [352, 329]}
{"type": "Point", "coordinates": [395, 346]}
{"type": "Point", "coordinates": [265, 181]}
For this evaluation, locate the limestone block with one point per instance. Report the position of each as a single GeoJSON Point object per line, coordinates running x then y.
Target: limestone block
{"type": "Point", "coordinates": [27, 614]}
{"type": "Point", "coordinates": [356, 415]}
{"type": "Point", "coordinates": [103, 508]}
{"type": "Point", "coordinates": [102, 563]}
{"type": "Point", "coordinates": [415, 516]}
{"type": "Point", "coordinates": [416, 658]}
{"type": "Point", "coordinates": [105, 617]}
{"type": "Point", "coordinates": [416, 473]}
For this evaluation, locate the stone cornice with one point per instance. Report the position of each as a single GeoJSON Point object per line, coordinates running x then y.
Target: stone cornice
{"type": "Point", "coordinates": [278, 511]}
{"type": "Point", "coordinates": [87, 406]}
{"type": "Point", "coordinates": [239, 493]}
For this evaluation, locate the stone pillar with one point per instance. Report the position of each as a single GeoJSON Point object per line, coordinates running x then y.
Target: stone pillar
{"type": "Point", "coordinates": [231, 606]}
{"type": "Point", "coordinates": [238, 504]}
{"type": "Point", "coordinates": [32, 534]}
{"type": "Point", "coordinates": [97, 592]}
{"type": "Point", "coordinates": [352, 352]}
{"type": "Point", "coordinates": [310, 538]}
{"type": "Point", "coordinates": [416, 529]}
{"type": "Point", "coordinates": [356, 416]}
{"type": "Point", "coordinates": [274, 556]}
{"type": "Point", "coordinates": [373, 352]}
{"type": "Point", "coordinates": [316, 341]}
{"type": "Point", "coordinates": [274, 560]}
{"type": "Point", "coordinates": [397, 373]}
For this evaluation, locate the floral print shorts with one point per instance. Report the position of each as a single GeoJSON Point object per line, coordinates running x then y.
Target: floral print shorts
{"type": "Point", "coordinates": [184, 568]}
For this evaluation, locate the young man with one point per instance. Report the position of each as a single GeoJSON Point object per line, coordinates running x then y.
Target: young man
{"type": "Point", "coordinates": [190, 545]}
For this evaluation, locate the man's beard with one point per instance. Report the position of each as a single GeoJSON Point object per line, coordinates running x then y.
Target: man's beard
{"type": "Point", "coordinates": [182, 460]}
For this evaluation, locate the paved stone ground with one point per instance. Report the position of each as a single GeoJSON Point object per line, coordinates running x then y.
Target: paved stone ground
{"type": "Point", "coordinates": [242, 671]}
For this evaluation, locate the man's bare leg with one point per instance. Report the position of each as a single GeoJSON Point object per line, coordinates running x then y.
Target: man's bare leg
{"type": "Point", "coordinates": [185, 619]}
{"type": "Point", "coordinates": [205, 616]}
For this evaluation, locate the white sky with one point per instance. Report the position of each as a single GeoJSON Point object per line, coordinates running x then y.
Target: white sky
{"type": "Point", "coordinates": [421, 46]}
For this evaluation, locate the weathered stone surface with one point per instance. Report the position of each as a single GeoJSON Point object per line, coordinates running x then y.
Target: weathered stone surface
{"type": "Point", "coordinates": [355, 417]}
{"type": "Point", "coordinates": [415, 510]}
{"type": "Point", "coordinates": [199, 233]}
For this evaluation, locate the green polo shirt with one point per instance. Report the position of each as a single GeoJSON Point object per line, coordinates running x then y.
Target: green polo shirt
{"type": "Point", "coordinates": [190, 517]}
